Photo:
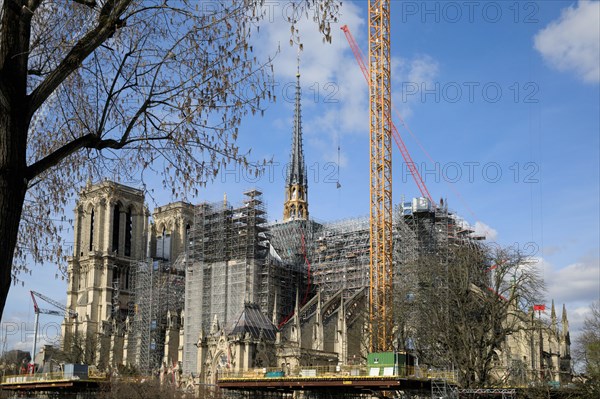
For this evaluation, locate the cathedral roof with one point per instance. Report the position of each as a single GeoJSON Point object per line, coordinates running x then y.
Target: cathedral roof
{"type": "Point", "coordinates": [254, 322]}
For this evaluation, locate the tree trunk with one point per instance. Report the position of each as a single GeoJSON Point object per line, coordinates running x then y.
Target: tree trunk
{"type": "Point", "coordinates": [13, 187]}
{"type": "Point", "coordinates": [12, 195]}
{"type": "Point", "coordinates": [14, 124]}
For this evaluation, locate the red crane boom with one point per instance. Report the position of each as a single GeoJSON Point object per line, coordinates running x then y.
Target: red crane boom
{"type": "Point", "coordinates": [397, 138]}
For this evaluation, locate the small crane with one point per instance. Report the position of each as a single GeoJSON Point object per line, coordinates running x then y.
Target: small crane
{"type": "Point", "coordinates": [37, 310]}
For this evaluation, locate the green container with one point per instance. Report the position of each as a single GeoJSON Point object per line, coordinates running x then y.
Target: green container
{"type": "Point", "coordinates": [382, 359]}
{"type": "Point", "coordinates": [388, 363]}
{"type": "Point", "coordinates": [382, 364]}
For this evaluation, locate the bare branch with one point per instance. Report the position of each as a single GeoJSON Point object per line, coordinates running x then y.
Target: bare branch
{"type": "Point", "coordinates": [108, 22]}
{"type": "Point", "coordinates": [89, 3]}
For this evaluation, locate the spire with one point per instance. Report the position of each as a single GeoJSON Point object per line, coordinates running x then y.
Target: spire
{"type": "Point", "coordinates": [297, 170]}
{"type": "Point", "coordinates": [553, 317]}
{"type": "Point", "coordinates": [565, 321]}
{"type": "Point", "coordinates": [296, 198]}
{"type": "Point", "coordinates": [565, 338]}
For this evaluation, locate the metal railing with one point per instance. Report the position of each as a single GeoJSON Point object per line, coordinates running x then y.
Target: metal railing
{"type": "Point", "coordinates": [29, 378]}
{"type": "Point", "coordinates": [51, 377]}
{"type": "Point", "coordinates": [336, 372]}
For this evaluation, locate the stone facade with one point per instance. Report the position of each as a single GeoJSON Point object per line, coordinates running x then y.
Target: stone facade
{"type": "Point", "coordinates": [171, 230]}
{"type": "Point", "coordinates": [111, 222]}
{"type": "Point", "coordinates": [538, 351]}
{"type": "Point", "coordinates": [112, 236]}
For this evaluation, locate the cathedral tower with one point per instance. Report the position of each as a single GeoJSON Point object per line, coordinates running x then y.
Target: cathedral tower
{"type": "Point", "coordinates": [171, 231]}
{"type": "Point", "coordinates": [296, 188]}
{"type": "Point", "coordinates": [110, 230]}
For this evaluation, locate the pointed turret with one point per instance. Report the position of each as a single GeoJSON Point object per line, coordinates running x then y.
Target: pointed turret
{"type": "Point", "coordinates": [215, 327]}
{"type": "Point", "coordinates": [565, 350]}
{"type": "Point", "coordinates": [296, 189]}
{"type": "Point", "coordinates": [275, 310]}
{"type": "Point", "coordinates": [296, 332]}
{"type": "Point", "coordinates": [553, 324]}
{"type": "Point", "coordinates": [565, 322]}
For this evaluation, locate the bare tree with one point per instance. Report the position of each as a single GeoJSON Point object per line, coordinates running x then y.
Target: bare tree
{"type": "Point", "coordinates": [588, 351]}
{"type": "Point", "coordinates": [151, 388]}
{"type": "Point", "coordinates": [79, 348]}
{"type": "Point", "coordinates": [120, 88]}
{"type": "Point", "coordinates": [13, 362]}
{"type": "Point", "coordinates": [464, 305]}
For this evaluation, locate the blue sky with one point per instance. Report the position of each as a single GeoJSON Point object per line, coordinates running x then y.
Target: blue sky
{"type": "Point", "coordinates": [503, 96]}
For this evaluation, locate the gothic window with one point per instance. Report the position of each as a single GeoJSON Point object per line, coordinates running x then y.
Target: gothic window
{"type": "Point", "coordinates": [128, 226]}
{"type": "Point", "coordinates": [116, 225]}
{"type": "Point", "coordinates": [163, 245]}
{"type": "Point", "coordinates": [167, 246]}
{"type": "Point", "coordinates": [92, 230]}
{"type": "Point", "coordinates": [294, 193]}
{"type": "Point", "coordinates": [160, 244]}
{"type": "Point", "coordinates": [115, 275]}
{"type": "Point", "coordinates": [188, 237]}
{"type": "Point", "coordinates": [127, 277]}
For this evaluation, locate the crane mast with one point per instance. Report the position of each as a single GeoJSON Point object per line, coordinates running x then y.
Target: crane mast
{"type": "Point", "coordinates": [380, 192]}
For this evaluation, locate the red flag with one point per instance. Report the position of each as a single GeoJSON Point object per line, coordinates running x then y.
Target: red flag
{"type": "Point", "coordinates": [539, 307]}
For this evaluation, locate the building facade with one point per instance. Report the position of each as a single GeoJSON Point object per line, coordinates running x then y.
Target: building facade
{"type": "Point", "coordinates": [111, 223]}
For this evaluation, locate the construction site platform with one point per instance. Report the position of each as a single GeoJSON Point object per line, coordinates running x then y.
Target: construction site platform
{"type": "Point", "coordinates": [50, 382]}
{"type": "Point", "coordinates": [319, 379]}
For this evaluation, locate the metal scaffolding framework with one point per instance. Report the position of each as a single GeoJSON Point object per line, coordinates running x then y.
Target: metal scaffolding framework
{"type": "Point", "coordinates": [340, 251]}
{"type": "Point", "coordinates": [235, 258]}
{"type": "Point", "coordinates": [342, 256]}
{"type": "Point", "coordinates": [159, 289]}
{"type": "Point", "coordinates": [229, 246]}
{"type": "Point", "coordinates": [232, 264]}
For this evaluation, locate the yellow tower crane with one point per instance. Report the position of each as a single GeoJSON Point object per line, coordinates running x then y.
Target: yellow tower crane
{"type": "Point", "coordinates": [380, 104]}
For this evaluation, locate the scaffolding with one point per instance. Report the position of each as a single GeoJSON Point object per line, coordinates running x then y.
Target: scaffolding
{"type": "Point", "coordinates": [237, 258]}
{"type": "Point", "coordinates": [159, 289]}
{"type": "Point", "coordinates": [229, 249]}
{"type": "Point", "coordinates": [341, 259]}
{"type": "Point", "coordinates": [233, 264]}
{"type": "Point", "coordinates": [426, 233]}
{"type": "Point", "coordinates": [292, 254]}
{"type": "Point", "coordinates": [339, 253]}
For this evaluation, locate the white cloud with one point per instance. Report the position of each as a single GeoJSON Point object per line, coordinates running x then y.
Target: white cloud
{"type": "Point", "coordinates": [335, 94]}
{"type": "Point", "coordinates": [423, 69]}
{"type": "Point", "coordinates": [484, 230]}
{"type": "Point", "coordinates": [576, 282]}
{"type": "Point", "coordinates": [571, 42]}
{"type": "Point", "coordinates": [577, 285]}
{"type": "Point", "coordinates": [410, 77]}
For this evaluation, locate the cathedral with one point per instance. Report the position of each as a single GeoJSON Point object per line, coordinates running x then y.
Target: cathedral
{"type": "Point", "coordinates": [192, 291]}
